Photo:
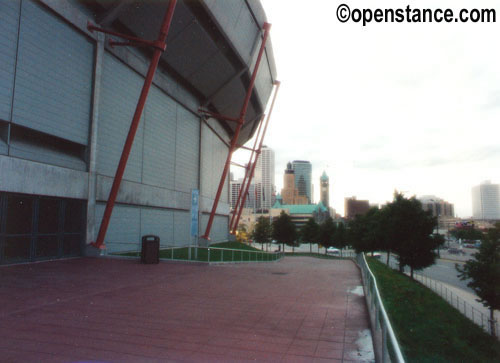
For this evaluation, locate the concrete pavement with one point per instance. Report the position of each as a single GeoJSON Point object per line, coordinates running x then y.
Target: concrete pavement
{"type": "Point", "coordinates": [297, 310]}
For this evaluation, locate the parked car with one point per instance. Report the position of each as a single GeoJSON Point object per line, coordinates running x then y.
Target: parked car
{"type": "Point", "coordinates": [333, 251]}
{"type": "Point", "coordinates": [375, 255]}
{"type": "Point", "coordinates": [455, 251]}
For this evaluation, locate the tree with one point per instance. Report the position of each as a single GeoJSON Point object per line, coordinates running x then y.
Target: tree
{"type": "Point", "coordinates": [284, 230]}
{"type": "Point", "coordinates": [367, 233]}
{"type": "Point", "coordinates": [327, 233]}
{"type": "Point", "coordinates": [466, 233]}
{"type": "Point", "coordinates": [262, 231]}
{"type": "Point", "coordinates": [410, 230]}
{"type": "Point", "coordinates": [484, 272]}
{"type": "Point", "coordinates": [309, 232]}
{"type": "Point", "coordinates": [340, 237]}
{"type": "Point", "coordinates": [242, 234]}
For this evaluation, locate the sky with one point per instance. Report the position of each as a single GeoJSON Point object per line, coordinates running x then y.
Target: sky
{"type": "Point", "coordinates": [388, 106]}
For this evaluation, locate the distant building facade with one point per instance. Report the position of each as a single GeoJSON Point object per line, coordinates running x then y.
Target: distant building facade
{"type": "Point", "coordinates": [290, 193]}
{"type": "Point", "coordinates": [354, 207]}
{"type": "Point", "coordinates": [303, 175]}
{"type": "Point", "coordinates": [438, 206]}
{"type": "Point", "coordinates": [324, 183]}
{"type": "Point", "coordinates": [486, 201]}
{"type": "Point", "coordinates": [300, 213]}
{"type": "Point", "coordinates": [264, 175]}
{"type": "Point", "coordinates": [253, 198]}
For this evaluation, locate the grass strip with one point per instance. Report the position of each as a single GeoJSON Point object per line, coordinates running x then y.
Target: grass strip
{"type": "Point", "coordinates": [427, 327]}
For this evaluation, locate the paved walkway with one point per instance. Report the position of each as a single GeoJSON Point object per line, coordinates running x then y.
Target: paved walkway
{"type": "Point", "coordinates": [297, 310]}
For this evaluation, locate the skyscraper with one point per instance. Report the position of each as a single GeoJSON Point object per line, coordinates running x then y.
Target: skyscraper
{"type": "Point", "coordinates": [264, 174]}
{"type": "Point", "coordinates": [253, 197]}
{"type": "Point", "coordinates": [324, 183]}
{"type": "Point", "coordinates": [486, 201]}
{"type": "Point", "coordinates": [303, 171]}
{"type": "Point", "coordinates": [290, 193]}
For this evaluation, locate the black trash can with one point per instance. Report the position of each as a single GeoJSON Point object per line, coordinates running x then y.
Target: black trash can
{"type": "Point", "coordinates": [150, 251]}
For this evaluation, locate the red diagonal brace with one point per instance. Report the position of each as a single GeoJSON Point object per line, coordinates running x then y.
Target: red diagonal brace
{"type": "Point", "coordinates": [162, 37]}
{"type": "Point", "coordinates": [243, 112]}
{"type": "Point", "coordinates": [235, 226]}
{"type": "Point", "coordinates": [247, 173]}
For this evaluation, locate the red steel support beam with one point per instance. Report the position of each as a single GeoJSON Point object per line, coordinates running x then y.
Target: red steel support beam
{"type": "Point", "coordinates": [162, 37]}
{"type": "Point", "coordinates": [240, 165]}
{"type": "Point", "coordinates": [247, 173]}
{"type": "Point", "coordinates": [241, 119]}
{"type": "Point", "coordinates": [277, 84]}
{"type": "Point", "coordinates": [245, 147]}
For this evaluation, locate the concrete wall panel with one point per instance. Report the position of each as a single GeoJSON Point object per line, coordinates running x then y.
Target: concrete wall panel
{"type": "Point", "coordinates": [23, 176]}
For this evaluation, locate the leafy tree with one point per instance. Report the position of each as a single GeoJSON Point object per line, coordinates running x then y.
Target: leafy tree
{"type": "Point", "coordinates": [484, 272]}
{"type": "Point", "coordinates": [242, 235]}
{"type": "Point", "coordinates": [340, 237]}
{"type": "Point", "coordinates": [409, 229]}
{"type": "Point", "coordinates": [327, 233]}
{"type": "Point", "coordinates": [262, 231]}
{"type": "Point", "coordinates": [284, 230]}
{"type": "Point", "coordinates": [439, 241]}
{"type": "Point", "coordinates": [466, 233]}
{"type": "Point", "coordinates": [310, 232]}
{"type": "Point", "coordinates": [367, 233]}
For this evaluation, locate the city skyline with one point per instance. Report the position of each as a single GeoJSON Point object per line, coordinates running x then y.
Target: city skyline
{"type": "Point", "coordinates": [407, 107]}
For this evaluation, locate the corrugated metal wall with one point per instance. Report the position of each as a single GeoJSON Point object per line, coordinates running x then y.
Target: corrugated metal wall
{"type": "Point", "coordinates": [220, 226]}
{"type": "Point", "coordinates": [165, 154]}
{"type": "Point", "coordinates": [53, 77]}
{"type": "Point", "coordinates": [46, 72]}
{"type": "Point", "coordinates": [46, 83]}
{"type": "Point", "coordinates": [120, 89]}
{"type": "Point", "coordinates": [213, 157]}
{"type": "Point", "coordinates": [9, 26]}
{"type": "Point", "coordinates": [129, 223]}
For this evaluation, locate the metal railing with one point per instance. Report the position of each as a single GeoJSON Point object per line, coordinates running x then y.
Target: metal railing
{"type": "Point", "coordinates": [385, 343]}
{"type": "Point", "coordinates": [219, 255]}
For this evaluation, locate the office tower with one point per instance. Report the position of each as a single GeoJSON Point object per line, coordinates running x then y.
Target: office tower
{"type": "Point", "coordinates": [290, 193]}
{"type": "Point", "coordinates": [253, 196]}
{"type": "Point", "coordinates": [486, 201]}
{"type": "Point", "coordinates": [324, 183]}
{"type": "Point", "coordinates": [438, 206]}
{"type": "Point", "coordinates": [303, 171]}
{"type": "Point", "coordinates": [264, 174]}
{"type": "Point", "coordinates": [354, 207]}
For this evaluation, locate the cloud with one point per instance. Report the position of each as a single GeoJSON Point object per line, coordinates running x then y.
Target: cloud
{"type": "Point", "coordinates": [477, 155]}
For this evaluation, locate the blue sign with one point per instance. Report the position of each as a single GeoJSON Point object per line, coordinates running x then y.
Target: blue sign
{"type": "Point", "coordinates": [195, 197]}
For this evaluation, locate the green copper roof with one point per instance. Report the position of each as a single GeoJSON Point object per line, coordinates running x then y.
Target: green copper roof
{"type": "Point", "coordinates": [301, 208]}
{"type": "Point", "coordinates": [324, 177]}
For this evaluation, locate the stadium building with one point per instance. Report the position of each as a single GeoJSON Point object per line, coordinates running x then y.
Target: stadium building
{"type": "Point", "coordinates": [68, 93]}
